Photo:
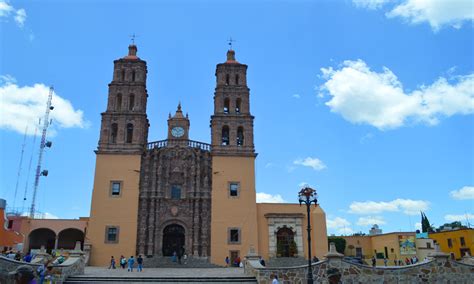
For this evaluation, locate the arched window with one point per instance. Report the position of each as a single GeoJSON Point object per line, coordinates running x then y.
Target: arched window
{"type": "Point", "coordinates": [131, 102]}
{"type": "Point", "coordinates": [123, 74]}
{"type": "Point", "coordinates": [286, 246]}
{"type": "Point", "coordinates": [133, 76]}
{"type": "Point", "coordinates": [113, 136]}
{"type": "Point", "coordinates": [118, 103]}
{"type": "Point", "coordinates": [240, 136]}
{"type": "Point", "coordinates": [225, 135]}
{"type": "Point", "coordinates": [129, 133]}
{"type": "Point", "coordinates": [175, 192]}
{"type": "Point", "coordinates": [237, 79]}
{"type": "Point", "coordinates": [227, 79]}
{"type": "Point", "coordinates": [226, 105]}
{"type": "Point", "coordinates": [238, 102]}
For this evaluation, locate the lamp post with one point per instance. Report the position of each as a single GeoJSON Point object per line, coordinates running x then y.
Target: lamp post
{"type": "Point", "coordinates": [307, 196]}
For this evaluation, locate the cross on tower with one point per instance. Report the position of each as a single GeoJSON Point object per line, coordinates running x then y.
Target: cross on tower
{"type": "Point", "coordinates": [132, 38]}
{"type": "Point", "coordinates": [230, 40]}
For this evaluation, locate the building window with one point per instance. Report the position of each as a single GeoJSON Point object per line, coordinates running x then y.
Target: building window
{"type": "Point", "coordinates": [175, 192]}
{"type": "Point", "coordinates": [131, 102]}
{"type": "Point", "coordinates": [123, 75]}
{"type": "Point", "coordinates": [115, 188]}
{"type": "Point", "coordinates": [225, 135]}
{"type": "Point", "coordinates": [237, 79]}
{"type": "Point", "coordinates": [118, 103]}
{"type": "Point", "coordinates": [226, 105]}
{"type": "Point", "coordinates": [227, 79]}
{"type": "Point", "coordinates": [114, 133]}
{"type": "Point", "coordinates": [133, 75]}
{"type": "Point", "coordinates": [111, 234]}
{"type": "Point", "coordinates": [240, 136]}
{"type": "Point", "coordinates": [428, 245]}
{"type": "Point", "coordinates": [463, 242]}
{"type": "Point", "coordinates": [450, 243]}
{"type": "Point", "coordinates": [234, 236]}
{"type": "Point", "coordinates": [129, 133]}
{"type": "Point", "coordinates": [10, 224]}
{"type": "Point", "coordinates": [234, 188]}
{"type": "Point", "coordinates": [238, 102]}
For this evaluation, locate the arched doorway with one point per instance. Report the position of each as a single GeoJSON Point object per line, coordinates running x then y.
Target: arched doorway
{"type": "Point", "coordinates": [67, 238]}
{"type": "Point", "coordinates": [286, 246]}
{"type": "Point", "coordinates": [173, 239]}
{"type": "Point", "coordinates": [42, 237]}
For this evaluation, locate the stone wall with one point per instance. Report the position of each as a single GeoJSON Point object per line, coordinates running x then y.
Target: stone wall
{"type": "Point", "coordinates": [440, 269]}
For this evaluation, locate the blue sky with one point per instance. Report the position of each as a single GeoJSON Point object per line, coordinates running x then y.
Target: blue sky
{"type": "Point", "coordinates": [369, 101]}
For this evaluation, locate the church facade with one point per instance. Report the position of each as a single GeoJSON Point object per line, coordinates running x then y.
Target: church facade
{"type": "Point", "coordinates": [180, 195]}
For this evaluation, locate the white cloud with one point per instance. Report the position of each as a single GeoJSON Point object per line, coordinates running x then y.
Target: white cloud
{"type": "Point", "coordinates": [20, 17]}
{"type": "Point", "coordinates": [39, 215]}
{"type": "Point", "coordinates": [296, 96]}
{"type": "Point", "coordinates": [464, 193]}
{"type": "Point", "coordinates": [418, 226]}
{"type": "Point", "coordinates": [268, 198]}
{"type": "Point", "coordinates": [437, 13]}
{"type": "Point", "coordinates": [463, 218]}
{"type": "Point", "coordinates": [370, 220]}
{"type": "Point", "coordinates": [366, 138]}
{"type": "Point", "coordinates": [314, 163]}
{"type": "Point", "coordinates": [24, 105]}
{"type": "Point", "coordinates": [369, 4]}
{"type": "Point", "coordinates": [363, 96]}
{"type": "Point", "coordinates": [407, 206]}
{"type": "Point", "coordinates": [7, 10]}
{"type": "Point", "coordinates": [339, 225]}
{"type": "Point", "coordinates": [303, 184]}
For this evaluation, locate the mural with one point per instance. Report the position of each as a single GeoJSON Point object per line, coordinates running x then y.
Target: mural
{"type": "Point", "coordinates": [407, 245]}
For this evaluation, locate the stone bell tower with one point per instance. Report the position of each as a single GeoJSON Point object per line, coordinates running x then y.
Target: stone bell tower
{"type": "Point", "coordinates": [123, 137]}
{"type": "Point", "coordinates": [234, 211]}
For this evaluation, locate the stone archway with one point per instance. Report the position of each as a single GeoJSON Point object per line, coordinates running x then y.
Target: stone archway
{"type": "Point", "coordinates": [67, 238]}
{"type": "Point", "coordinates": [42, 237]}
{"type": "Point", "coordinates": [173, 239]}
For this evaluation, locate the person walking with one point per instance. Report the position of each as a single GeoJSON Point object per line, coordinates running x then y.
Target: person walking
{"type": "Point", "coordinates": [385, 261]}
{"type": "Point", "coordinates": [123, 261]}
{"type": "Point", "coordinates": [185, 258]}
{"type": "Point", "coordinates": [131, 262]}
{"type": "Point", "coordinates": [374, 261]}
{"type": "Point", "coordinates": [173, 258]}
{"type": "Point", "coordinates": [112, 262]}
{"type": "Point", "coordinates": [140, 263]}
{"type": "Point", "coordinates": [227, 261]}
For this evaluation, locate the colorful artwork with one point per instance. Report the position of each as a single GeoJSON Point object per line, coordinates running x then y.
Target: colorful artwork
{"type": "Point", "coordinates": [407, 245]}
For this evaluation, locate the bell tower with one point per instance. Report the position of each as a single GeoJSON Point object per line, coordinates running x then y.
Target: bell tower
{"type": "Point", "coordinates": [123, 136]}
{"type": "Point", "coordinates": [234, 210]}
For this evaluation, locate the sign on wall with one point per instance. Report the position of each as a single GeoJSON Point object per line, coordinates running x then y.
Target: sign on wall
{"type": "Point", "coordinates": [407, 245]}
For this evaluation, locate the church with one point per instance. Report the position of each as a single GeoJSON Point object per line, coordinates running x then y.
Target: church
{"type": "Point", "coordinates": [155, 198]}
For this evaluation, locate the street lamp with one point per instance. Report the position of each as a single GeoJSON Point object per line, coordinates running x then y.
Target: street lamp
{"type": "Point", "coordinates": [307, 196]}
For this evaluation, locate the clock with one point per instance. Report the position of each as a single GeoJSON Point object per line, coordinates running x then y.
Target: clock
{"type": "Point", "coordinates": [177, 131]}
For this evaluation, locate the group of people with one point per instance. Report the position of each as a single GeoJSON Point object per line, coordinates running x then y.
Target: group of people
{"type": "Point", "coordinates": [18, 257]}
{"type": "Point", "coordinates": [397, 262]}
{"type": "Point", "coordinates": [129, 263]}
{"type": "Point", "coordinates": [236, 262]}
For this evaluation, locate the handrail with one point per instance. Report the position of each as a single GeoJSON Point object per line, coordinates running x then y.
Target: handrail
{"type": "Point", "coordinates": [189, 143]}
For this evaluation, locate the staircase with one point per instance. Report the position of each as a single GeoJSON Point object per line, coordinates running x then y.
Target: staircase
{"type": "Point", "coordinates": [165, 262]}
{"type": "Point", "coordinates": [156, 279]}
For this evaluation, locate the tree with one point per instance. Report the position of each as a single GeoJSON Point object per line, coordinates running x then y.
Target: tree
{"type": "Point", "coordinates": [339, 242]}
{"type": "Point", "coordinates": [426, 226]}
{"type": "Point", "coordinates": [452, 225]}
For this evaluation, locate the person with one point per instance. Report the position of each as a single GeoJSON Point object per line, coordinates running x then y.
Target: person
{"type": "Point", "coordinates": [237, 261]}
{"type": "Point", "coordinates": [27, 257]}
{"type": "Point", "coordinates": [11, 255]}
{"type": "Point", "coordinates": [407, 261]}
{"type": "Point", "coordinates": [131, 262]}
{"type": "Point", "coordinates": [179, 256]}
{"type": "Point", "coordinates": [60, 259]}
{"type": "Point", "coordinates": [18, 256]}
{"type": "Point", "coordinates": [185, 258]}
{"type": "Point", "coordinates": [374, 261]}
{"type": "Point", "coordinates": [262, 261]}
{"type": "Point", "coordinates": [334, 276]}
{"type": "Point", "coordinates": [41, 270]}
{"type": "Point", "coordinates": [227, 261]}
{"type": "Point", "coordinates": [315, 259]}
{"type": "Point", "coordinates": [123, 261]}
{"type": "Point", "coordinates": [140, 263]}
{"type": "Point", "coordinates": [275, 280]}
{"type": "Point", "coordinates": [385, 261]}
{"type": "Point", "coordinates": [173, 258]}
{"type": "Point", "coordinates": [112, 262]}
{"type": "Point", "coordinates": [24, 274]}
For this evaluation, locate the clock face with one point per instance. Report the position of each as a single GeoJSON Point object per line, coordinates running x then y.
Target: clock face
{"type": "Point", "coordinates": [177, 131]}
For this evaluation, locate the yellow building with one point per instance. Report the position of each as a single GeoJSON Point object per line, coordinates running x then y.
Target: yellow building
{"type": "Point", "coordinates": [182, 196]}
{"type": "Point", "coordinates": [456, 242]}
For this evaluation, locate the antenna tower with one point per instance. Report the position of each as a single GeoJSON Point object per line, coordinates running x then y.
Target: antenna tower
{"type": "Point", "coordinates": [43, 144]}
{"type": "Point", "coordinates": [29, 170]}
{"type": "Point", "coordinates": [19, 168]}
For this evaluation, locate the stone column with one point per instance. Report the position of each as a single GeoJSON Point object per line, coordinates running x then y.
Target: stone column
{"type": "Point", "coordinates": [56, 240]}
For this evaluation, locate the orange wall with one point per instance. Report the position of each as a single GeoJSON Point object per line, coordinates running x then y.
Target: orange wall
{"type": "Point", "coordinates": [455, 235]}
{"type": "Point", "coordinates": [229, 212]}
{"type": "Point", "coordinates": [8, 238]}
{"type": "Point", "coordinates": [114, 211]}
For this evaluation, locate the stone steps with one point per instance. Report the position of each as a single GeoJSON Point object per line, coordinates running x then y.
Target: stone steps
{"type": "Point", "coordinates": [183, 280]}
{"type": "Point", "coordinates": [165, 262]}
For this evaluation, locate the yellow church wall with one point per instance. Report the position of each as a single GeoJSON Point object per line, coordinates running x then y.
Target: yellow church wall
{"type": "Point", "coordinates": [450, 241]}
{"type": "Point", "coordinates": [319, 242]}
{"type": "Point", "coordinates": [107, 210]}
{"type": "Point", "coordinates": [233, 212]}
